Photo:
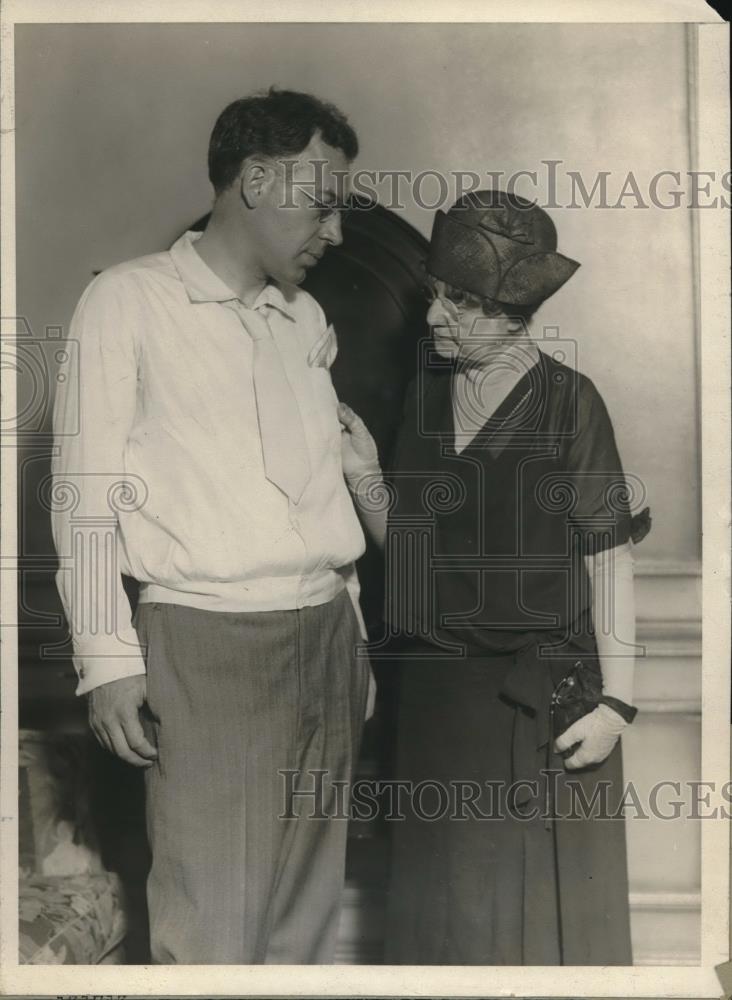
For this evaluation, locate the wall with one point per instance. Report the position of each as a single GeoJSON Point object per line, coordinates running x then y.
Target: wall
{"type": "Point", "coordinates": [113, 123]}
{"type": "Point", "coordinates": [112, 129]}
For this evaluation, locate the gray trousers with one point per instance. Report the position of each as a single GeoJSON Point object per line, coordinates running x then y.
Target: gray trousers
{"type": "Point", "coordinates": [249, 857]}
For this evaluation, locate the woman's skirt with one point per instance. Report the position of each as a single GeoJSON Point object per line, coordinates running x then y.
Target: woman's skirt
{"type": "Point", "coordinates": [473, 880]}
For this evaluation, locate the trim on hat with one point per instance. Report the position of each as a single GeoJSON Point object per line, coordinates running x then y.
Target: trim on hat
{"type": "Point", "coordinates": [533, 279]}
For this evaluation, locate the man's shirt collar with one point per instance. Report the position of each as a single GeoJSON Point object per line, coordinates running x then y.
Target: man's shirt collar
{"type": "Point", "coordinates": [202, 285]}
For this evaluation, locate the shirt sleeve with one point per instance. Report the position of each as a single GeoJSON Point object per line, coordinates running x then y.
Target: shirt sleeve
{"type": "Point", "coordinates": [601, 514]}
{"type": "Point", "coordinates": [94, 410]}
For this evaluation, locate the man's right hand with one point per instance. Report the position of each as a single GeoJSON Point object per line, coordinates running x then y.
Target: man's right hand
{"type": "Point", "coordinates": [114, 716]}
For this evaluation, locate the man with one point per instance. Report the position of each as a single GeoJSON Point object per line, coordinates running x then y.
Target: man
{"type": "Point", "coordinates": [209, 439]}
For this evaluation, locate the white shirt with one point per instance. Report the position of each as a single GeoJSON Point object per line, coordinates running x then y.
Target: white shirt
{"type": "Point", "coordinates": [162, 400]}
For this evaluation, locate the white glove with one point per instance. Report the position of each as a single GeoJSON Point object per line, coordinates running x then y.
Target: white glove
{"type": "Point", "coordinates": [362, 472]}
{"type": "Point", "coordinates": [359, 454]}
{"type": "Point", "coordinates": [597, 733]}
{"type": "Point", "coordinates": [371, 696]}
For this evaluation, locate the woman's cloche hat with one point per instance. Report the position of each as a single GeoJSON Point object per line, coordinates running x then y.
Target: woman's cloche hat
{"type": "Point", "coordinates": [498, 246]}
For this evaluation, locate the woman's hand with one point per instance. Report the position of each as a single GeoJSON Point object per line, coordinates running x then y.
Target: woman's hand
{"type": "Point", "coordinates": [359, 454]}
{"type": "Point", "coordinates": [371, 696]}
{"type": "Point", "coordinates": [597, 733]}
{"type": "Point", "coordinates": [360, 458]}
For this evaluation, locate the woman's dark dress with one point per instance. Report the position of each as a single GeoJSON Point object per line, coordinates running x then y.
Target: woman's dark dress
{"type": "Point", "coordinates": [489, 604]}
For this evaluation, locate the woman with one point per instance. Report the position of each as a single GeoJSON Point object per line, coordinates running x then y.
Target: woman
{"type": "Point", "coordinates": [509, 532]}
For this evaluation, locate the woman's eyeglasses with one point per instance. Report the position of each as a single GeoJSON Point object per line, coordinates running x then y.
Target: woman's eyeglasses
{"type": "Point", "coordinates": [433, 290]}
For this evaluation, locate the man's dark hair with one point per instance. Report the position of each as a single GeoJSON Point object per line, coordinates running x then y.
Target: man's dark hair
{"type": "Point", "coordinates": [275, 123]}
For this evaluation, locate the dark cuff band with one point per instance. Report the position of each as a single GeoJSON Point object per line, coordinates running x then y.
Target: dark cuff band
{"type": "Point", "coordinates": [625, 711]}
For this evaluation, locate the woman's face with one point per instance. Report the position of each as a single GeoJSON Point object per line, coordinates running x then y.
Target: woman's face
{"type": "Point", "coordinates": [461, 329]}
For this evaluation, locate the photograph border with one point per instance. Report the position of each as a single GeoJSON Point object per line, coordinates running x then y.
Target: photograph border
{"type": "Point", "coordinates": [712, 151]}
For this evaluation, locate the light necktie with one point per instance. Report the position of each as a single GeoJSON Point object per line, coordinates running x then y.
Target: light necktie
{"type": "Point", "coordinates": [284, 448]}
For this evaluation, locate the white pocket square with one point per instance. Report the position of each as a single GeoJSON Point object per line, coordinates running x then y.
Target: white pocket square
{"type": "Point", "coordinates": [323, 352]}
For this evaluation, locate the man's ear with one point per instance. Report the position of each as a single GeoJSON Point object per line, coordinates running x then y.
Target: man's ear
{"type": "Point", "coordinates": [255, 179]}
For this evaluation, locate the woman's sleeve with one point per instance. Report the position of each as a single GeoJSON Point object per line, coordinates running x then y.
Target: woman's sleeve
{"type": "Point", "coordinates": [601, 514]}
{"type": "Point", "coordinates": [392, 464]}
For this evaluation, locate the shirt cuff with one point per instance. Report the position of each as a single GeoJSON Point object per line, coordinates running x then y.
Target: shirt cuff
{"type": "Point", "coordinates": [93, 671]}
{"type": "Point", "coordinates": [101, 659]}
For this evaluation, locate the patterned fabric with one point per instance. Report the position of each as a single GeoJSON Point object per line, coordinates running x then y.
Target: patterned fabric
{"type": "Point", "coordinates": [71, 909]}
{"type": "Point", "coordinates": [66, 920]}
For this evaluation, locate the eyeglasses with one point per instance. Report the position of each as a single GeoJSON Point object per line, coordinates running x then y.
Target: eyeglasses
{"type": "Point", "coordinates": [328, 210]}
{"type": "Point", "coordinates": [434, 289]}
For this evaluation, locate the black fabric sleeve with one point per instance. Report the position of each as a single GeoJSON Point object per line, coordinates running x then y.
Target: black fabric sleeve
{"type": "Point", "coordinates": [404, 429]}
{"type": "Point", "coordinates": [601, 514]}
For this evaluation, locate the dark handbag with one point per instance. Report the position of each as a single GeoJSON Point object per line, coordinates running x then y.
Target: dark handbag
{"type": "Point", "coordinates": [578, 693]}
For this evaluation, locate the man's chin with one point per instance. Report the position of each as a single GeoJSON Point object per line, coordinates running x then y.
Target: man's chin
{"type": "Point", "coordinates": [293, 275]}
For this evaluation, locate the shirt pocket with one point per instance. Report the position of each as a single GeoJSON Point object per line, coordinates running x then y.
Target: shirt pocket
{"type": "Point", "coordinates": [323, 352]}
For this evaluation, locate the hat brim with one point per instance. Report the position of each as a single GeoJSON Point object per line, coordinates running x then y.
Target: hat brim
{"type": "Point", "coordinates": [532, 280]}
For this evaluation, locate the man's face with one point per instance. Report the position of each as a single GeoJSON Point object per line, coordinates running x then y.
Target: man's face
{"type": "Point", "coordinates": [297, 215]}
{"type": "Point", "coordinates": [461, 329]}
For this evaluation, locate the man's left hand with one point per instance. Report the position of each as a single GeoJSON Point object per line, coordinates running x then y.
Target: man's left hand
{"type": "Point", "coordinates": [597, 733]}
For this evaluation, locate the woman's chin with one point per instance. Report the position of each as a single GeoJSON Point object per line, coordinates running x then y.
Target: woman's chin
{"type": "Point", "coordinates": [445, 347]}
